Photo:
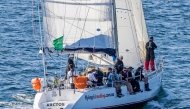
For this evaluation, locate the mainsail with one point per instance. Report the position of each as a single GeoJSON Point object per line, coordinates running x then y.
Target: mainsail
{"type": "Point", "coordinates": [132, 34]}
{"type": "Point", "coordinates": [85, 24]}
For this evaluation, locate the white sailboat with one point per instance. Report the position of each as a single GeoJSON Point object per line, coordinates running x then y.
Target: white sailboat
{"type": "Point", "coordinates": [98, 29]}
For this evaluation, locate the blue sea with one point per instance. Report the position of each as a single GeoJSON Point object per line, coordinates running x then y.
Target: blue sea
{"type": "Point", "coordinates": [168, 21]}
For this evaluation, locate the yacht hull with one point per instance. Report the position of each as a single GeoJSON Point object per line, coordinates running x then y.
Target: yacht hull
{"type": "Point", "coordinates": [96, 99]}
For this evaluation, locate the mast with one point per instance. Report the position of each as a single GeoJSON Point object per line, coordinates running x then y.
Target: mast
{"type": "Point", "coordinates": [115, 28]}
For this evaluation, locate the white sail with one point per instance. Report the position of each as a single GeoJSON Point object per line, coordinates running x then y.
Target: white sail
{"type": "Point", "coordinates": [140, 26]}
{"type": "Point", "coordinates": [127, 37]}
{"type": "Point", "coordinates": [84, 24]}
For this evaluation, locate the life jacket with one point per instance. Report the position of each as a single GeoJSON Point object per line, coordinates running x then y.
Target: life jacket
{"type": "Point", "coordinates": [55, 81]}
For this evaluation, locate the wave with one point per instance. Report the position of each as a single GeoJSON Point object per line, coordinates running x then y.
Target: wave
{"type": "Point", "coordinates": [161, 101]}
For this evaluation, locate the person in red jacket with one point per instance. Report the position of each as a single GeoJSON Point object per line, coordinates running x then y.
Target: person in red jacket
{"type": "Point", "coordinates": [150, 46]}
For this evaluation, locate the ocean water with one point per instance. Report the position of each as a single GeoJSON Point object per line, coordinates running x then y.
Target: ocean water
{"type": "Point", "coordinates": [167, 20]}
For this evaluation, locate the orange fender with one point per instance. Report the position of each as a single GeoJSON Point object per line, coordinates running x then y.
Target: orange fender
{"type": "Point", "coordinates": [80, 82]}
{"type": "Point", "coordinates": [36, 84]}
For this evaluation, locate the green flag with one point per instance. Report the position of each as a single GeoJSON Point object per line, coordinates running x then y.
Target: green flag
{"type": "Point", "coordinates": [58, 43]}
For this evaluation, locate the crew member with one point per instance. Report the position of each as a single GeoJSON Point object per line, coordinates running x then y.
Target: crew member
{"type": "Point", "coordinates": [71, 74]}
{"type": "Point", "coordinates": [119, 64]}
{"type": "Point", "coordinates": [141, 77]}
{"type": "Point", "coordinates": [150, 46]}
{"type": "Point", "coordinates": [70, 62]}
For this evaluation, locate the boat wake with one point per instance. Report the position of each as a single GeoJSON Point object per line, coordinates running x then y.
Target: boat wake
{"type": "Point", "coordinates": [170, 96]}
{"type": "Point", "coordinates": [23, 98]}
{"type": "Point", "coordinates": [154, 105]}
{"type": "Point", "coordinates": [161, 101]}
{"type": "Point", "coordinates": [15, 105]}
{"type": "Point", "coordinates": [21, 101]}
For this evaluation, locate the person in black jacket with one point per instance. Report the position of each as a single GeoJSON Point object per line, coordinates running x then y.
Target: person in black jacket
{"type": "Point", "coordinates": [150, 46]}
{"type": "Point", "coordinates": [140, 77]}
{"type": "Point", "coordinates": [138, 74]}
{"type": "Point", "coordinates": [99, 76]}
{"type": "Point", "coordinates": [70, 62]}
{"type": "Point", "coordinates": [119, 64]}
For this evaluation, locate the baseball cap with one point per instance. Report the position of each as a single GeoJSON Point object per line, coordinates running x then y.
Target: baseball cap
{"type": "Point", "coordinates": [89, 69]}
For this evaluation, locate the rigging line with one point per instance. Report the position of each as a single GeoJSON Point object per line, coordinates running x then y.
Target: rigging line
{"type": "Point", "coordinates": [95, 30]}
{"type": "Point", "coordinates": [61, 24]}
{"type": "Point", "coordinates": [38, 9]}
{"type": "Point", "coordinates": [108, 25]}
{"type": "Point", "coordinates": [131, 28]}
{"type": "Point", "coordinates": [34, 26]}
{"type": "Point", "coordinates": [77, 25]}
{"type": "Point", "coordinates": [99, 15]}
{"type": "Point", "coordinates": [61, 63]}
{"type": "Point", "coordinates": [72, 24]}
{"type": "Point", "coordinates": [44, 10]}
{"type": "Point", "coordinates": [79, 4]}
{"type": "Point", "coordinates": [53, 22]}
{"type": "Point", "coordinates": [112, 29]}
{"type": "Point", "coordinates": [82, 31]}
{"type": "Point", "coordinates": [64, 22]}
{"type": "Point", "coordinates": [33, 17]}
{"type": "Point", "coordinates": [68, 22]}
{"type": "Point", "coordinates": [77, 29]}
{"type": "Point", "coordinates": [40, 25]}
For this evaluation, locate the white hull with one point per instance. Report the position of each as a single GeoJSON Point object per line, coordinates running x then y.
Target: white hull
{"type": "Point", "coordinates": [99, 98]}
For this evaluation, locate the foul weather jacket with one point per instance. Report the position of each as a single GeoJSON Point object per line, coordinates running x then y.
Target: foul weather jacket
{"type": "Point", "coordinates": [150, 46]}
{"type": "Point", "coordinates": [119, 66]}
{"type": "Point", "coordinates": [139, 74]}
